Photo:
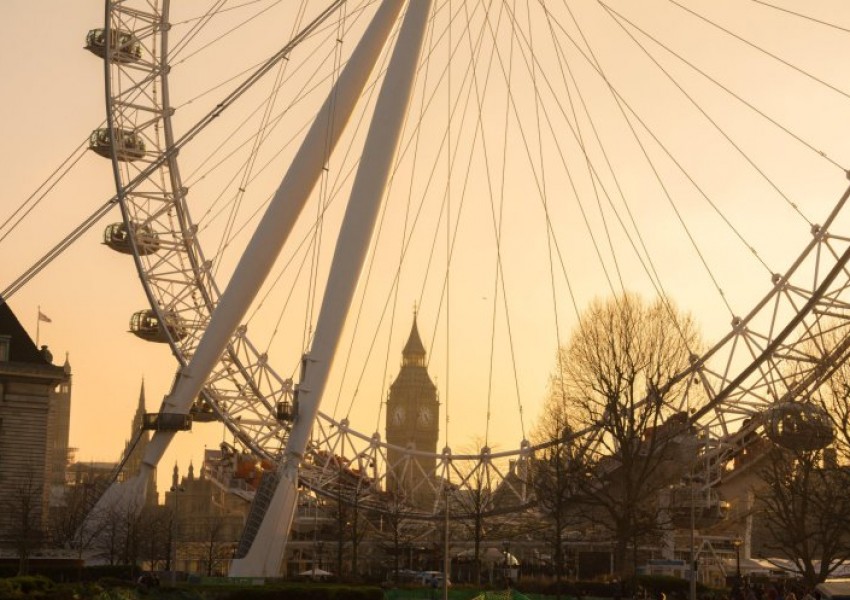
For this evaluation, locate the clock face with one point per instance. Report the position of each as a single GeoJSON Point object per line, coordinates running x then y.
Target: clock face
{"type": "Point", "coordinates": [397, 415]}
{"type": "Point", "coordinates": [424, 416]}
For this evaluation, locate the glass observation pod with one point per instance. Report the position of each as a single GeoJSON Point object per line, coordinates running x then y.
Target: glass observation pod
{"type": "Point", "coordinates": [798, 426]}
{"type": "Point", "coordinates": [130, 145]}
{"type": "Point", "coordinates": [202, 412]}
{"type": "Point", "coordinates": [147, 325]}
{"type": "Point", "coordinates": [166, 422]}
{"type": "Point", "coordinates": [123, 45]}
{"type": "Point", "coordinates": [117, 237]}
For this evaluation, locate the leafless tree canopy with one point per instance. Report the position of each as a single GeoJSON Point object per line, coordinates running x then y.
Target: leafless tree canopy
{"type": "Point", "coordinates": [616, 379]}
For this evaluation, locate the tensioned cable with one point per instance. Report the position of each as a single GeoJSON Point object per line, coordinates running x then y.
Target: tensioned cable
{"type": "Point", "coordinates": [762, 50]}
{"type": "Point", "coordinates": [568, 172]}
{"type": "Point", "coordinates": [246, 172]}
{"type": "Point", "coordinates": [731, 142]}
{"type": "Point", "coordinates": [51, 254]}
{"type": "Point", "coordinates": [475, 51]}
{"type": "Point", "coordinates": [34, 199]}
{"type": "Point", "coordinates": [802, 16]}
{"type": "Point", "coordinates": [250, 68]}
{"type": "Point", "coordinates": [583, 146]}
{"type": "Point", "coordinates": [305, 91]}
{"type": "Point", "coordinates": [782, 127]}
{"type": "Point", "coordinates": [497, 221]}
{"type": "Point", "coordinates": [312, 290]}
{"type": "Point", "coordinates": [658, 178]}
{"type": "Point", "coordinates": [593, 64]}
{"type": "Point", "coordinates": [401, 154]}
{"type": "Point", "coordinates": [407, 229]}
{"type": "Point", "coordinates": [526, 146]}
{"type": "Point", "coordinates": [373, 90]}
{"type": "Point", "coordinates": [644, 258]}
{"type": "Point", "coordinates": [159, 161]}
{"type": "Point", "coordinates": [196, 28]}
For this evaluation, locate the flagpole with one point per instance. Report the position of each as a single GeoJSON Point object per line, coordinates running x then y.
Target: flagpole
{"type": "Point", "coordinates": [37, 326]}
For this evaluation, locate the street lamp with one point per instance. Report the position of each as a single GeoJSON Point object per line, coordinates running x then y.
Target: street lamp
{"type": "Point", "coordinates": [320, 548]}
{"type": "Point", "coordinates": [737, 544]}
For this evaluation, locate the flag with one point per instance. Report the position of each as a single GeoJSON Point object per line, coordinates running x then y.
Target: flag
{"type": "Point", "coordinates": [44, 317]}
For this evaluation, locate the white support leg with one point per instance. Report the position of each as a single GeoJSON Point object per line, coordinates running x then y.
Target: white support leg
{"type": "Point", "coordinates": [268, 238]}
{"type": "Point", "coordinates": [267, 551]}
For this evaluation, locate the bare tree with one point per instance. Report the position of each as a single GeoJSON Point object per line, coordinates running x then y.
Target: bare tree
{"type": "Point", "coordinates": [557, 474]}
{"type": "Point", "coordinates": [806, 510]}
{"type": "Point", "coordinates": [217, 543]}
{"type": "Point", "coordinates": [25, 507]}
{"type": "Point", "coordinates": [618, 376]}
{"type": "Point", "coordinates": [475, 501]}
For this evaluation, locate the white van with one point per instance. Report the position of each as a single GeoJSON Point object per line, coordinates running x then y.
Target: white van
{"type": "Point", "coordinates": [834, 590]}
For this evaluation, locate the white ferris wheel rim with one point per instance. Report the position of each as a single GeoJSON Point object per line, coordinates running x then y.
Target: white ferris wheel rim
{"type": "Point", "coordinates": [245, 388]}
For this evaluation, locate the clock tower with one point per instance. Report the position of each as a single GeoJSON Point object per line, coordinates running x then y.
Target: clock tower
{"type": "Point", "coordinates": [412, 422]}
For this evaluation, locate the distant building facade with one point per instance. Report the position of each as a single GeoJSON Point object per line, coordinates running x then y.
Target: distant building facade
{"type": "Point", "coordinates": [30, 436]}
{"type": "Point", "coordinates": [135, 448]}
{"type": "Point", "coordinates": [207, 521]}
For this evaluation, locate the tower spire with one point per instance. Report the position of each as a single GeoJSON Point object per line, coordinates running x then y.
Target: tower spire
{"type": "Point", "coordinates": [414, 350]}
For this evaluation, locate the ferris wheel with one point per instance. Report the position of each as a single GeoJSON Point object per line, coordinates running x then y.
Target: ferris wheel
{"type": "Point", "coordinates": [633, 152]}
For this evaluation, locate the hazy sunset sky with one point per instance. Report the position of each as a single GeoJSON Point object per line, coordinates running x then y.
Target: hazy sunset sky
{"type": "Point", "coordinates": [765, 191]}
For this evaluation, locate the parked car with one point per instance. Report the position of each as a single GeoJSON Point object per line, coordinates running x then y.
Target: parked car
{"type": "Point", "coordinates": [432, 579]}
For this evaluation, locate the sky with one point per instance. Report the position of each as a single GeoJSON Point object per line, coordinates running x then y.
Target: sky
{"type": "Point", "coordinates": [497, 358]}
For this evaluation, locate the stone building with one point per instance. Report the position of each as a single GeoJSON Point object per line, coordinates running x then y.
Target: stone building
{"type": "Point", "coordinates": [28, 460]}
{"type": "Point", "coordinates": [134, 449]}
{"type": "Point", "coordinates": [207, 521]}
{"type": "Point", "coordinates": [413, 421]}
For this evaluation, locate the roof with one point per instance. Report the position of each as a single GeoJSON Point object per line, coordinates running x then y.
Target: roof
{"type": "Point", "coordinates": [414, 346]}
{"type": "Point", "coordinates": [21, 347]}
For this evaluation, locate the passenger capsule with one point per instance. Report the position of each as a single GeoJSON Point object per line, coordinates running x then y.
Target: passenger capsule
{"type": "Point", "coordinates": [123, 46]}
{"type": "Point", "coordinates": [117, 237]}
{"type": "Point", "coordinates": [798, 426]}
{"type": "Point", "coordinates": [129, 146]}
{"type": "Point", "coordinates": [147, 325]}
{"type": "Point", "coordinates": [202, 412]}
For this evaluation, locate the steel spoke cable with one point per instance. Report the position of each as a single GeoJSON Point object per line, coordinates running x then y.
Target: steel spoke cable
{"type": "Point", "coordinates": [716, 209]}
{"type": "Point", "coordinates": [712, 121]}
{"type": "Point", "coordinates": [417, 128]}
{"type": "Point", "coordinates": [309, 313]}
{"type": "Point", "coordinates": [258, 139]}
{"type": "Point", "coordinates": [802, 16]}
{"type": "Point", "coordinates": [195, 29]}
{"type": "Point", "coordinates": [564, 69]}
{"type": "Point", "coordinates": [324, 29]}
{"type": "Point", "coordinates": [56, 250]}
{"type": "Point", "coordinates": [656, 281]}
{"type": "Point", "coordinates": [373, 90]}
{"type": "Point", "coordinates": [652, 165]}
{"type": "Point", "coordinates": [34, 199]}
{"type": "Point", "coordinates": [496, 220]}
{"type": "Point", "coordinates": [651, 270]}
{"type": "Point", "coordinates": [567, 171]}
{"type": "Point", "coordinates": [762, 50]}
{"type": "Point", "coordinates": [313, 84]}
{"type": "Point", "coordinates": [416, 139]}
{"type": "Point", "coordinates": [640, 249]}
